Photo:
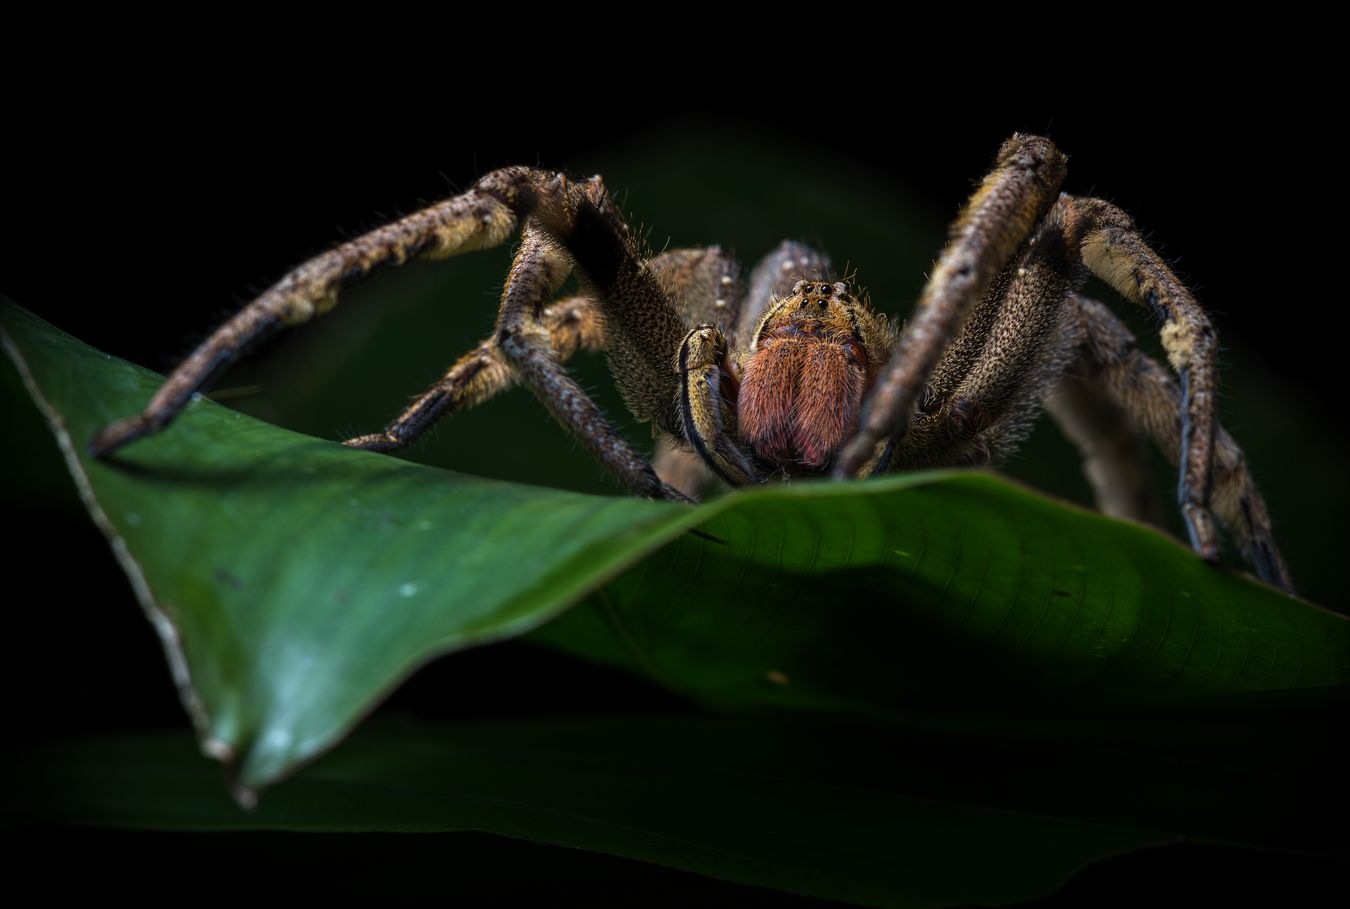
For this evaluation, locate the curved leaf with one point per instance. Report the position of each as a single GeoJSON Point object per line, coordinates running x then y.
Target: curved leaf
{"type": "Point", "coordinates": [294, 581]}
{"type": "Point", "coordinates": [877, 815]}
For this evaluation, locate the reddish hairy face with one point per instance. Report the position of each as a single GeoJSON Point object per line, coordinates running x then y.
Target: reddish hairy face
{"type": "Point", "coordinates": [803, 387]}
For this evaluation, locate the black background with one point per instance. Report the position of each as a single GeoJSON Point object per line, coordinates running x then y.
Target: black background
{"type": "Point", "coordinates": [204, 205]}
{"type": "Point", "coordinates": [199, 194]}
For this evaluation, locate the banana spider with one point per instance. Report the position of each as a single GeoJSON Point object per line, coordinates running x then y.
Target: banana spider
{"type": "Point", "coordinates": [789, 373]}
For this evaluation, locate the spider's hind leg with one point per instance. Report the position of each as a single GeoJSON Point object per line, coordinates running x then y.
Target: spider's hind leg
{"type": "Point", "coordinates": [1114, 251]}
{"type": "Point", "coordinates": [1150, 398]}
{"type": "Point", "coordinates": [1112, 451]}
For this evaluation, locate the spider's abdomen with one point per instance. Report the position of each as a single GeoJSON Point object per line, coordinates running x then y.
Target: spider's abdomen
{"type": "Point", "coordinates": [802, 388]}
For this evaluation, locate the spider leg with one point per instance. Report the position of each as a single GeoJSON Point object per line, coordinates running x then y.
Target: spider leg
{"type": "Point", "coordinates": [1151, 398]}
{"type": "Point", "coordinates": [644, 327]}
{"type": "Point", "coordinates": [1113, 454]}
{"type": "Point", "coordinates": [772, 280]}
{"type": "Point", "coordinates": [472, 221]}
{"type": "Point", "coordinates": [679, 468]}
{"type": "Point", "coordinates": [538, 271]}
{"type": "Point", "coordinates": [703, 282]}
{"type": "Point", "coordinates": [483, 373]}
{"type": "Point", "coordinates": [1009, 204]}
{"type": "Point", "coordinates": [1114, 251]}
{"type": "Point", "coordinates": [984, 393]}
{"type": "Point", "coordinates": [1024, 343]}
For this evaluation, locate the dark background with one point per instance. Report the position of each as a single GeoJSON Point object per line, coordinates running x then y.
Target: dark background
{"type": "Point", "coordinates": [137, 222]}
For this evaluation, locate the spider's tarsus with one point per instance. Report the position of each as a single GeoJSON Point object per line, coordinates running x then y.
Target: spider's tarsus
{"type": "Point", "coordinates": [669, 493]}
{"type": "Point", "coordinates": [1269, 568]}
{"type": "Point", "coordinates": [116, 435]}
{"type": "Point", "coordinates": [1201, 531]}
{"type": "Point", "coordinates": [379, 441]}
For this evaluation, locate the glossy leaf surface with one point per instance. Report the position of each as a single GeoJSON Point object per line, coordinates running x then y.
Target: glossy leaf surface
{"type": "Point", "coordinates": [294, 582]}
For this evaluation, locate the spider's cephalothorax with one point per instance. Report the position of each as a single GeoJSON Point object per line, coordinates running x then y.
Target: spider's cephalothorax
{"type": "Point", "coordinates": [788, 372]}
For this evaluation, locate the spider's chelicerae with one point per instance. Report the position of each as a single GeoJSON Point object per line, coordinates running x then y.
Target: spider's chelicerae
{"type": "Point", "coordinates": [789, 373]}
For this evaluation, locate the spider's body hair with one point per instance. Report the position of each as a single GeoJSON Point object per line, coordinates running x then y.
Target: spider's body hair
{"type": "Point", "coordinates": [789, 374]}
{"type": "Point", "coordinates": [811, 360]}
{"type": "Point", "coordinates": [985, 392]}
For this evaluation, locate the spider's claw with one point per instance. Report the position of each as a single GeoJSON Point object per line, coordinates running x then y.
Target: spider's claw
{"type": "Point", "coordinates": [1269, 568]}
{"type": "Point", "coordinates": [377, 441]}
{"type": "Point", "coordinates": [671, 494]}
{"type": "Point", "coordinates": [1200, 528]}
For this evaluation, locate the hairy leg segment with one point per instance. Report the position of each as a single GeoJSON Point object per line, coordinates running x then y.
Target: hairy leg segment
{"type": "Point", "coordinates": [566, 223]}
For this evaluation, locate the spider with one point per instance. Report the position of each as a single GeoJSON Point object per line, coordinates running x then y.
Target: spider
{"type": "Point", "coordinates": [790, 373]}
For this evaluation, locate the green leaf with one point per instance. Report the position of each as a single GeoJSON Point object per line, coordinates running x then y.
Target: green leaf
{"type": "Point", "coordinates": [295, 582]}
{"type": "Point", "coordinates": [879, 815]}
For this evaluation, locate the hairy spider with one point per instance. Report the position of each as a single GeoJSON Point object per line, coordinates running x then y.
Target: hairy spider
{"type": "Point", "coordinates": [790, 373]}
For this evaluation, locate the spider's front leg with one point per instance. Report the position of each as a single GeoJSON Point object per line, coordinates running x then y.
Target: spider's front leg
{"type": "Point", "coordinates": [476, 220]}
{"type": "Point", "coordinates": [571, 220]}
{"type": "Point", "coordinates": [523, 338]}
{"type": "Point", "coordinates": [1009, 204]}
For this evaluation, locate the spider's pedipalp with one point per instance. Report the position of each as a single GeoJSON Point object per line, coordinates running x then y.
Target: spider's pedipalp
{"type": "Point", "coordinates": [708, 405]}
{"type": "Point", "coordinates": [1009, 204]}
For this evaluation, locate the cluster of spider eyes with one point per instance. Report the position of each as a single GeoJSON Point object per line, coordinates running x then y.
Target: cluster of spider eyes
{"type": "Point", "coordinates": [839, 289]}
